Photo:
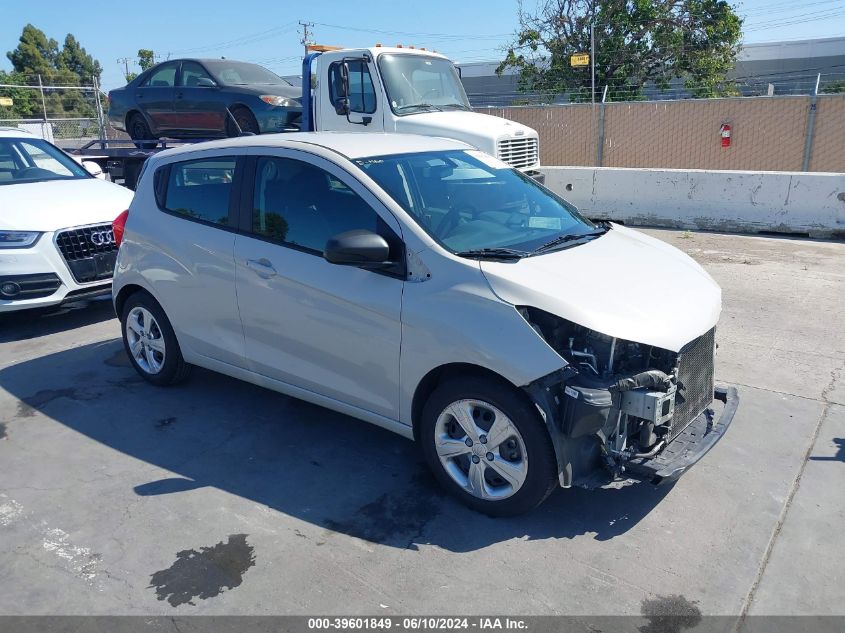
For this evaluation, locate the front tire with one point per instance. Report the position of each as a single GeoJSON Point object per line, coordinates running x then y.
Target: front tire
{"type": "Point", "coordinates": [486, 444]}
{"type": "Point", "coordinates": [246, 121]}
{"type": "Point", "coordinates": [150, 342]}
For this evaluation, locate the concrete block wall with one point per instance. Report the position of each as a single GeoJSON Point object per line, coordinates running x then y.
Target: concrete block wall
{"type": "Point", "coordinates": [736, 201]}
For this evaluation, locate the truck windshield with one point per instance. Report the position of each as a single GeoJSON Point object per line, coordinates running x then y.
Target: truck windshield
{"type": "Point", "coordinates": [33, 160]}
{"type": "Point", "coordinates": [418, 83]}
{"type": "Point", "coordinates": [469, 201]}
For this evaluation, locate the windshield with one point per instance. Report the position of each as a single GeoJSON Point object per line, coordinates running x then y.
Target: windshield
{"type": "Point", "coordinates": [33, 160]}
{"type": "Point", "coordinates": [417, 83]}
{"type": "Point", "coordinates": [468, 201]}
{"type": "Point", "coordinates": [231, 73]}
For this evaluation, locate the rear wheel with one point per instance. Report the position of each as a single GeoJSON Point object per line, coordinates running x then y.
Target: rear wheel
{"type": "Point", "coordinates": [245, 119]}
{"type": "Point", "coordinates": [150, 342]}
{"type": "Point", "coordinates": [139, 131]}
{"type": "Point", "coordinates": [486, 444]}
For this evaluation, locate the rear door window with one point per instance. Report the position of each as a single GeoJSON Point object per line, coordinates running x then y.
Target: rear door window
{"type": "Point", "coordinates": [201, 189]}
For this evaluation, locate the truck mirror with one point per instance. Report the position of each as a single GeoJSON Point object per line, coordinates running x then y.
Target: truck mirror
{"type": "Point", "coordinates": [341, 106]}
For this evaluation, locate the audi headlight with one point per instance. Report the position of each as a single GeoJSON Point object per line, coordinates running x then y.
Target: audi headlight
{"type": "Point", "coordinates": [18, 239]}
{"type": "Point", "coordinates": [275, 100]}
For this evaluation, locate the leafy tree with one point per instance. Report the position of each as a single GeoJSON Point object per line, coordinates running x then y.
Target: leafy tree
{"type": "Point", "coordinates": [35, 54]}
{"type": "Point", "coordinates": [146, 58]}
{"type": "Point", "coordinates": [636, 42]}
{"type": "Point", "coordinates": [75, 59]}
{"type": "Point", "coordinates": [834, 87]}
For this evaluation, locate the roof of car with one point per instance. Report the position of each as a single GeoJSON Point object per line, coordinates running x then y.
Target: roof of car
{"type": "Point", "coordinates": [7, 132]}
{"type": "Point", "coordinates": [348, 144]}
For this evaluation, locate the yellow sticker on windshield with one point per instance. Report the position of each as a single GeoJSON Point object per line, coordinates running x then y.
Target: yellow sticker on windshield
{"type": "Point", "coordinates": [488, 160]}
{"type": "Point", "coordinates": [544, 222]}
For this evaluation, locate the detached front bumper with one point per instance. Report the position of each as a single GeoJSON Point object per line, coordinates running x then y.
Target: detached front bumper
{"type": "Point", "coordinates": [690, 445]}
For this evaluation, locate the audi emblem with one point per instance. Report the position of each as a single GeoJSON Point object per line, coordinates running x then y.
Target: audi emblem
{"type": "Point", "coordinates": [101, 238]}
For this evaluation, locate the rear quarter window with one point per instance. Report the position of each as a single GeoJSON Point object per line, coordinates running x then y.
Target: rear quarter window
{"type": "Point", "coordinates": [198, 190]}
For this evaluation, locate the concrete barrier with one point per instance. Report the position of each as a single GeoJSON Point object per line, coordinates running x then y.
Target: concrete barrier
{"type": "Point", "coordinates": [736, 201]}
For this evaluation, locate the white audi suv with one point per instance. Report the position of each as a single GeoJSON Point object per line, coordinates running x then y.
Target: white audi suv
{"type": "Point", "coordinates": [56, 240]}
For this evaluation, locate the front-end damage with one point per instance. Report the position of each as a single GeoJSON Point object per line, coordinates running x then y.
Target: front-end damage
{"type": "Point", "coordinates": [621, 409]}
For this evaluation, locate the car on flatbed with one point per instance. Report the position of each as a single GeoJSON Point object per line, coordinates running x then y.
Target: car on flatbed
{"type": "Point", "coordinates": [56, 241]}
{"type": "Point", "coordinates": [204, 98]}
{"type": "Point", "coordinates": [431, 289]}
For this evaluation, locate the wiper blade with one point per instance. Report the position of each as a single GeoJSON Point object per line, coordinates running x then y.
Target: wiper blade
{"type": "Point", "coordinates": [418, 105]}
{"type": "Point", "coordinates": [563, 239]}
{"type": "Point", "coordinates": [455, 105]}
{"type": "Point", "coordinates": [493, 253]}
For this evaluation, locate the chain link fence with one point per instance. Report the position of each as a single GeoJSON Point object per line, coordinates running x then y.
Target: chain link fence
{"type": "Point", "coordinates": [788, 133]}
{"type": "Point", "coordinates": [66, 114]}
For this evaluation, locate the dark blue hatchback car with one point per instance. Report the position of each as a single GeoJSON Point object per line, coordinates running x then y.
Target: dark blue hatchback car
{"type": "Point", "coordinates": [204, 98]}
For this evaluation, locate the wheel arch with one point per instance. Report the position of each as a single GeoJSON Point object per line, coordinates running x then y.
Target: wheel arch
{"type": "Point", "coordinates": [127, 291]}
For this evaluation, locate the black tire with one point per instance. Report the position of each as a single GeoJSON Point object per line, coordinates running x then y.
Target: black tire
{"type": "Point", "coordinates": [246, 120]}
{"type": "Point", "coordinates": [174, 368]}
{"type": "Point", "coordinates": [541, 478]}
{"type": "Point", "coordinates": [139, 131]}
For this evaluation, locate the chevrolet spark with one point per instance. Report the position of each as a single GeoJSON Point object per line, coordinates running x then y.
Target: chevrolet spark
{"type": "Point", "coordinates": [426, 287]}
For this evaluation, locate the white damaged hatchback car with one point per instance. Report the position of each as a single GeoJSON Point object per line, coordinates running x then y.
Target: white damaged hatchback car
{"type": "Point", "coordinates": [426, 287]}
{"type": "Point", "coordinates": [56, 241]}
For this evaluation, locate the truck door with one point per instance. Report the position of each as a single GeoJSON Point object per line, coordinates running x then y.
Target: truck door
{"type": "Point", "coordinates": [155, 97]}
{"type": "Point", "coordinates": [199, 107]}
{"type": "Point", "coordinates": [349, 102]}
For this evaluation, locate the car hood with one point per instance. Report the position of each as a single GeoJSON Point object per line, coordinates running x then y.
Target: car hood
{"type": "Point", "coordinates": [624, 284]}
{"type": "Point", "coordinates": [280, 90]}
{"type": "Point", "coordinates": [58, 204]}
{"type": "Point", "coordinates": [479, 130]}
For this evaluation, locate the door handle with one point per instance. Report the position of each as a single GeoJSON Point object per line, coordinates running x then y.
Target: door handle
{"type": "Point", "coordinates": [262, 267]}
{"type": "Point", "coordinates": [179, 95]}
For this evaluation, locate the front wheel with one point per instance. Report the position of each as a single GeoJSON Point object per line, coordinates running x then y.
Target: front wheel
{"type": "Point", "coordinates": [245, 120]}
{"type": "Point", "coordinates": [150, 342]}
{"type": "Point", "coordinates": [486, 445]}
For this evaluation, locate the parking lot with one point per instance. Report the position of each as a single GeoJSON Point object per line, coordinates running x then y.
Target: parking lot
{"type": "Point", "coordinates": [218, 497]}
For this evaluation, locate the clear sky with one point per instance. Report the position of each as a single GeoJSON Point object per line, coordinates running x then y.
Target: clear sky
{"type": "Point", "coordinates": [266, 31]}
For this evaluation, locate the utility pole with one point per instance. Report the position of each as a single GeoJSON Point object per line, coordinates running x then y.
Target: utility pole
{"type": "Point", "coordinates": [125, 61]}
{"type": "Point", "coordinates": [306, 39]}
{"type": "Point", "coordinates": [593, 60]}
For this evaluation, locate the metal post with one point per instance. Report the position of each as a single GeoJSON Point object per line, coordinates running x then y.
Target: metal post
{"type": "Point", "coordinates": [811, 126]}
{"type": "Point", "coordinates": [101, 119]}
{"type": "Point", "coordinates": [43, 101]}
{"type": "Point", "coordinates": [600, 137]}
{"type": "Point", "coordinates": [593, 59]}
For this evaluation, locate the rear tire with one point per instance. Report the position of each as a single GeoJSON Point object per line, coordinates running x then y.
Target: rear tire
{"type": "Point", "coordinates": [139, 131]}
{"type": "Point", "coordinates": [150, 342]}
{"type": "Point", "coordinates": [246, 120]}
{"type": "Point", "coordinates": [505, 465]}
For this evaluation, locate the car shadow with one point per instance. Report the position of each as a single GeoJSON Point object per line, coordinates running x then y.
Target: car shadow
{"type": "Point", "coordinates": [24, 325]}
{"type": "Point", "coordinates": [323, 467]}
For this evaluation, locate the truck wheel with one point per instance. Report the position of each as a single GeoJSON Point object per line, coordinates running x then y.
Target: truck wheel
{"type": "Point", "coordinates": [246, 121]}
{"type": "Point", "coordinates": [140, 131]}
{"type": "Point", "coordinates": [487, 446]}
{"type": "Point", "coordinates": [150, 342]}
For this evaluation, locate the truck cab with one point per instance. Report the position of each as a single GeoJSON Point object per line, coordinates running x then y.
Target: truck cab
{"type": "Point", "coordinates": [406, 90]}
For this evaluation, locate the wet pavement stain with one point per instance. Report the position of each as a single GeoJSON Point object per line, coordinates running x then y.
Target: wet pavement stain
{"type": "Point", "coordinates": [31, 404]}
{"type": "Point", "coordinates": [669, 614]}
{"type": "Point", "coordinates": [396, 517]}
{"type": "Point", "coordinates": [205, 573]}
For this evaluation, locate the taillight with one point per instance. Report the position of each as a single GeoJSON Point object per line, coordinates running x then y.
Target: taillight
{"type": "Point", "coordinates": [118, 226]}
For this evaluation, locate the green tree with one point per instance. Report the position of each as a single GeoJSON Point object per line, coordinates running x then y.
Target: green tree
{"type": "Point", "coordinates": [834, 87]}
{"type": "Point", "coordinates": [35, 54]}
{"type": "Point", "coordinates": [636, 42]}
{"type": "Point", "coordinates": [146, 59]}
{"type": "Point", "coordinates": [75, 59]}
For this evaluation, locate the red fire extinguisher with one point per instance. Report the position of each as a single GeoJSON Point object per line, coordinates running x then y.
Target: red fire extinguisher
{"type": "Point", "coordinates": [725, 133]}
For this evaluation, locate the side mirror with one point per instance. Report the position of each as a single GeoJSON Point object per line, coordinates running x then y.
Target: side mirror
{"type": "Point", "coordinates": [341, 106]}
{"type": "Point", "coordinates": [358, 248]}
{"type": "Point", "coordinates": [93, 168]}
{"type": "Point", "coordinates": [205, 82]}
